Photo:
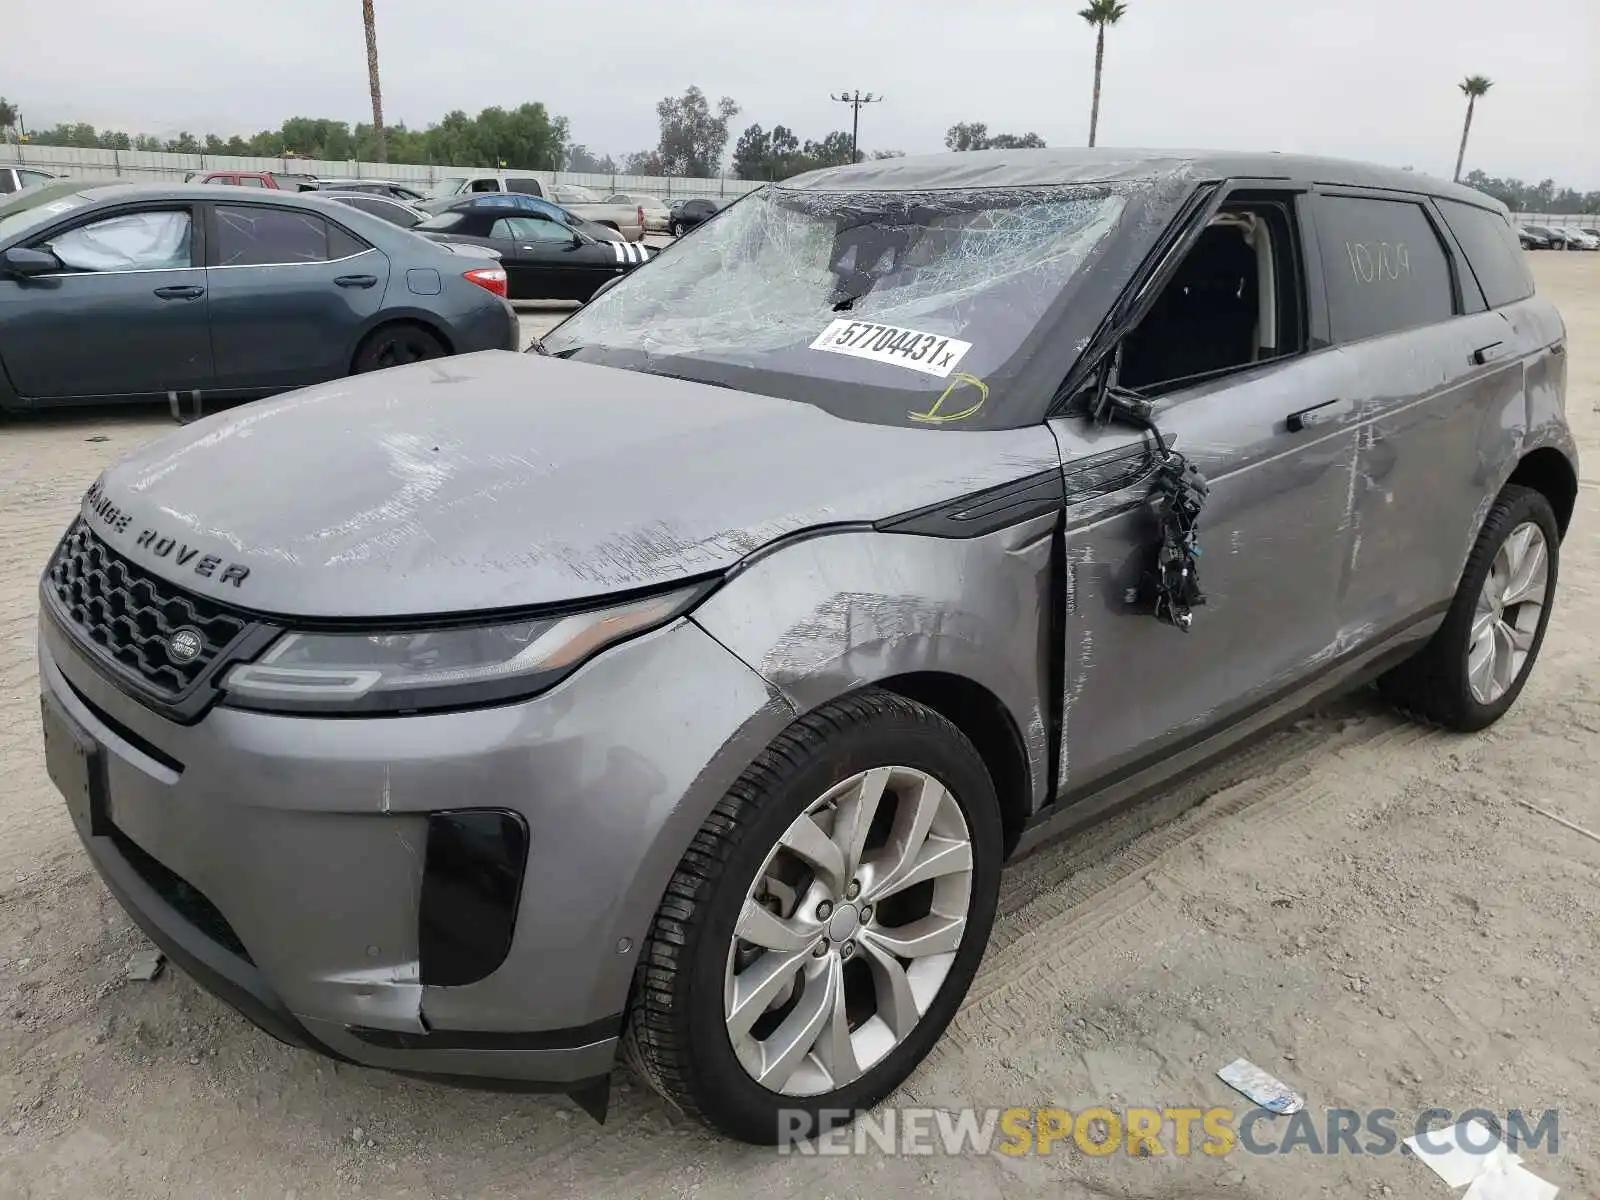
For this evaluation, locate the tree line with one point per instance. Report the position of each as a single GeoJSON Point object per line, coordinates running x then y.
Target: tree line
{"type": "Point", "coordinates": [692, 141]}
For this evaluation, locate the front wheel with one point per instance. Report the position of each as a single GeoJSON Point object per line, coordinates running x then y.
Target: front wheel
{"type": "Point", "coordinates": [677, 230]}
{"type": "Point", "coordinates": [823, 928]}
{"type": "Point", "coordinates": [1475, 666]}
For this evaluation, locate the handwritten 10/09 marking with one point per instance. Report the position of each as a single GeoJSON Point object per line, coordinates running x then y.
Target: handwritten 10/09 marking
{"type": "Point", "coordinates": [1378, 262]}
{"type": "Point", "coordinates": [930, 353]}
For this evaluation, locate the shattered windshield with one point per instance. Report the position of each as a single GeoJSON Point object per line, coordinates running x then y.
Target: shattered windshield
{"type": "Point", "coordinates": [888, 307]}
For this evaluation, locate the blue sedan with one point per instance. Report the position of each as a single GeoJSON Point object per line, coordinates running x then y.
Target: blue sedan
{"type": "Point", "coordinates": [144, 292]}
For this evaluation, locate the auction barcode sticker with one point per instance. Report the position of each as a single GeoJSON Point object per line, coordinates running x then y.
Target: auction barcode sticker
{"type": "Point", "coordinates": [930, 353]}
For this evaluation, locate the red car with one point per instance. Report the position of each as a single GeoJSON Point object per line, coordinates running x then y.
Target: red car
{"type": "Point", "coordinates": [276, 181]}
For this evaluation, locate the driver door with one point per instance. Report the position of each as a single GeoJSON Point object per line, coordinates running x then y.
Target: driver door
{"type": "Point", "coordinates": [549, 261]}
{"type": "Point", "coordinates": [127, 317]}
{"type": "Point", "coordinates": [1257, 404]}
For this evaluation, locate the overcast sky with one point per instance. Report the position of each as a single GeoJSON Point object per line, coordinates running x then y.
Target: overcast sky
{"type": "Point", "coordinates": [1374, 79]}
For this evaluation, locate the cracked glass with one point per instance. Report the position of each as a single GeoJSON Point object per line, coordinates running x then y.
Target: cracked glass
{"type": "Point", "coordinates": [741, 300]}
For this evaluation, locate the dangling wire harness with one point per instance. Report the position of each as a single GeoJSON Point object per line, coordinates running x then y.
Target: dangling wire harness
{"type": "Point", "coordinates": [1170, 586]}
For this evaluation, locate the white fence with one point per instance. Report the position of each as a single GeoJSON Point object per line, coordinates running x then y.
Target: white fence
{"type": "Point", "coordinates": [151, 166]}
{"type": "Point", "coordinates": [1558, 220]}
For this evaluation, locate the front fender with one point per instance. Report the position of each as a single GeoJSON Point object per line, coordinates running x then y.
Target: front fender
{"type": "Point", "coordinates": [828, 613]}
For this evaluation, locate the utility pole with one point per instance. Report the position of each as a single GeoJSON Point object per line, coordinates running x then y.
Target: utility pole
{"type": "Point", "coordinates": [855, 100]}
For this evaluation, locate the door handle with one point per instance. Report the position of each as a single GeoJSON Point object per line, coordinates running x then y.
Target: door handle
{"type": "Point", "coordinates": [1317, 414]}
{"type": "Point", "coordinates": [1489, 353]}
{"type": "Point", "coordinates": [187, 291]}
{"type": "Point", "coordinates": [356, 281]}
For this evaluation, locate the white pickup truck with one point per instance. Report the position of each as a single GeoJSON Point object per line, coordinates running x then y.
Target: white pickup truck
{"type": "Point", "coordinates": [626, 219]}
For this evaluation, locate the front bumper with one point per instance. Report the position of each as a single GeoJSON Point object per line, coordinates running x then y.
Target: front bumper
{"type": "Point", "coordinates": [281, 860]}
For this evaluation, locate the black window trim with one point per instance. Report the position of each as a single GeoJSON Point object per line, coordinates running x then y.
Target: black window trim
{"type": "Point", "coordinates": [211, 207]}
{"type": "Point", "coordinates": [1447, 247]}
{"type": "Point", "coordinates": [1167, 254]}
{"type": "Point", "coordinates": [198, 242]}
{"type": "Point", "coordinates": [1472, 271]}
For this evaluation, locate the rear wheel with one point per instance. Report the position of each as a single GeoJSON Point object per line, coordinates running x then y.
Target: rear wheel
{"type": "Point", "coordinates": [825, 924]}
{"type": "Point", "coordinates": [1475, 666]}
{"type": "Point", "coordinates": [394, 345]}
{"type": "Point", "coordinates": [677, 230]}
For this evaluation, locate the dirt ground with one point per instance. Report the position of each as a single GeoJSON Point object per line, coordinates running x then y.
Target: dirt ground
{"type": "Point", "coordinates": [1354, 903]}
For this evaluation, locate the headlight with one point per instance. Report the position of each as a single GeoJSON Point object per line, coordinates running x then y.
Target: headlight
{"type": "Point", "coordinates": [438, 668]}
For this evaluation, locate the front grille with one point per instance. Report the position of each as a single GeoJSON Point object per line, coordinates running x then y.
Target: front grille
{"type": "Point", "coordinates": [189, 901]}
{"type": "Point", "coordinates": [129, 614]}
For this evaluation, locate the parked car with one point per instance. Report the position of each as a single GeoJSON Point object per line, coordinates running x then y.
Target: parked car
{"type": "Point", "coordinates": [373, 187]}
{"type": "Point", "coordinates": [15, 179]}
{"type": "Point", "coordinates": [1532, 240]}
{"type": "Point", "coordinates": [683, 683]}
{"type": "Point", "coordinates": [544, 258]}
{"type": "Point", "coordinates": [653, 212]}
{"type": "Point", "coordinates": [396, 212]}
{"type": "Point", "coordinates": [516, 202]}
{"type": "Point", "coordinates": [1579, 239]}
{"type": "Point", "coordinates": [693, 213]}
{"type": "Point", "coordinates": [624, 218]}
{"type": "Point", "coordinates": [138, 292]}
{"type": "Point", "coordinates": [271, 180]}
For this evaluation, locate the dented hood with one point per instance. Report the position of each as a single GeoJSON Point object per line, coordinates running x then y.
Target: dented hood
{"type": "Point", "coordinates": [500, 480]}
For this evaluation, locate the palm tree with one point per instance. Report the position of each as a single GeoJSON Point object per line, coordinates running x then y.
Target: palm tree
{"type": "Point", "coordinates": [1471, 87]}
{"type": "Point", "coordinates": [1100, 13]}
{"type": "Point", "coordinates": [370, 20]}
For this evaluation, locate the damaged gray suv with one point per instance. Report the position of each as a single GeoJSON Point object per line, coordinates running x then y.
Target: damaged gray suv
{"type": "Point", "coordinates": [676, 691]}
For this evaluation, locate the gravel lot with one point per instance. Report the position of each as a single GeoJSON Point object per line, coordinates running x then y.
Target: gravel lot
{"type": "Point", "coordinates": [1354, 903]}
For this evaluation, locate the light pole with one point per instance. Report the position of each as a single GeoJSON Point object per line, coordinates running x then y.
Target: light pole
{"type": "Point", "coordinates": [855, 100]}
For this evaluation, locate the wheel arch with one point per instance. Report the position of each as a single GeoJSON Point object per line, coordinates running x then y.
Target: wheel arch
{"type": "Point", "coordinates": [1547, 471]}
{"type": "Point", "coordinates": [988, 724]}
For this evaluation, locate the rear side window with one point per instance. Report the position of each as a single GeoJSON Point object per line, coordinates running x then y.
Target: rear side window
{"type": "Point", "coordinates": [342, 243]}
{"type": "Point", "coordinates": [1493, 252]}
{"type": "Point", "coordinates": [1384, 267]}
{"type": "Point", "coordinates": [262, 236]}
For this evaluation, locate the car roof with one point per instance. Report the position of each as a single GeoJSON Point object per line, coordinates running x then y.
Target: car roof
{"type": "Point", "coordinates": [1052, 168]}
{"type": "Point", "coordinates": [116, 193]}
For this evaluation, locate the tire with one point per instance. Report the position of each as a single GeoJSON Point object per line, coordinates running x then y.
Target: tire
{"type": "Point", "coordinates": [394, 345]}
{"type": "Point", "coordinates": [1438, 685]}
{"type": "Point", "coordinates": [677, 230]}
{"type": "Point", "coordinates": [679, 1037]}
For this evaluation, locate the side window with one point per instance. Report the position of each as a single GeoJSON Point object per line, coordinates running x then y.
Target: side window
{"type": "Point", "coordinates": [443, 221]}
{"type": "Point", "coordinates": [262, 236]}
{"type": "Point", "coordinates": [251, 181]}
{"type": "Point", "coordinates": [484, 185]}
{"type": "Point", "coordinates": [141, 241]}
{"type": "Point", "coordinates": [343, 244]}
{"type": "Point", "coordinates": [538, 229]}
{"type": "Point", "coordinates": [8, 180]}
{"type": "Point", "coordinates": [1493, 252]}
{"type": "Point", "coordinates": [1236, 300]}
{"type": "Point", "coordinates": [1383, 265]}
{"type": "Point", "coordinates": [29, 178]}
{"type": "Point", "coordinates": [531, 187]}
{"type": "Point", "coordinates": [503, 228]}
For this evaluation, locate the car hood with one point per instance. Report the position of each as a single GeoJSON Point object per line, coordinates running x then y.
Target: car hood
{"type": "Point", "coordinates": [498, 480]}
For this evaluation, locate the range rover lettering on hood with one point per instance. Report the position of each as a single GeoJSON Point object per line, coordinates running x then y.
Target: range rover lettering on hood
{"type": "Point", "coordinates": [159, 545]}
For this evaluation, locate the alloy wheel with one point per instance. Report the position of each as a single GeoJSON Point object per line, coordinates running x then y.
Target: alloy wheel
{"type": "Point", "coordinates": [848, 931]}
{"type": "Point", "coordinates": [1506, 618]}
